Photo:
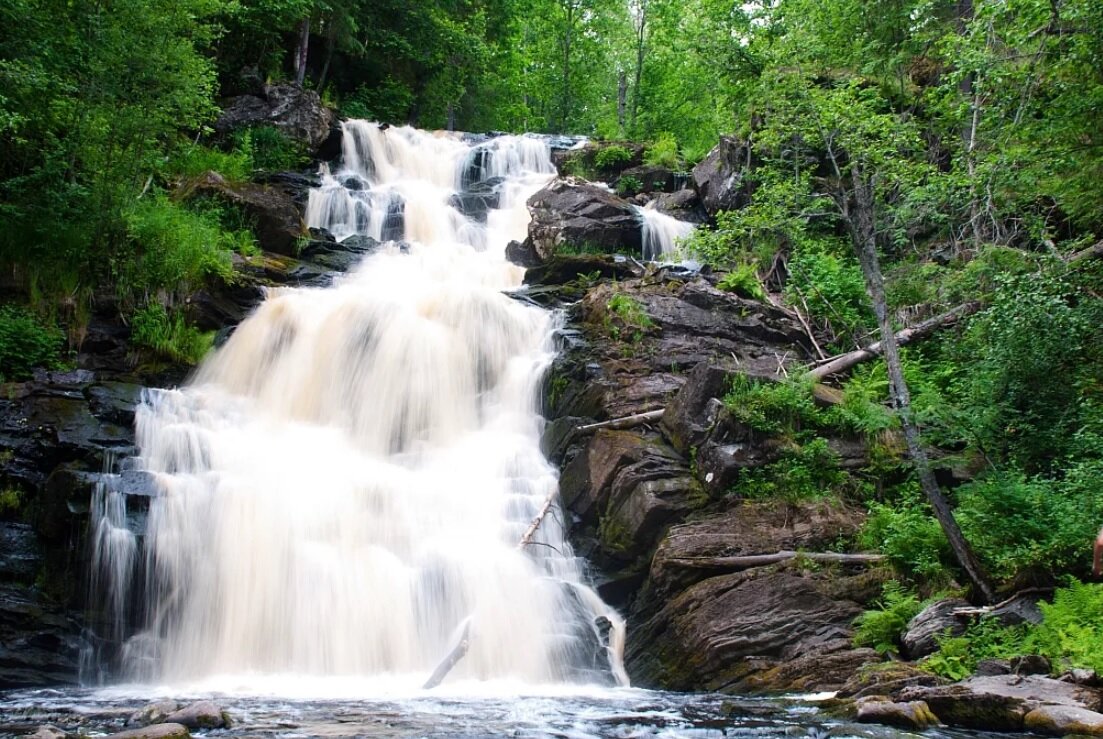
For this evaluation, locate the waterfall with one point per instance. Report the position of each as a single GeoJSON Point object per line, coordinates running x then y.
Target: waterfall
{"type": "Point", "coordinates": [347, 481]}
{"type": "Point", "coordinates": [661, 233]}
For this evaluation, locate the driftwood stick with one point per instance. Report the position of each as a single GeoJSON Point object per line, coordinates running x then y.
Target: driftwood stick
{"type": "Point", "coordinates": [762, 560]}
{"type": "Point", "coordinates": [626, 422]}
{"type": "Point", "coordinates": [1095, 250]}
{"type": "Point", "coordinates": [531, 530]}
{"type": "Point", "coordinates": [450, 661]}
{"type": "Point", "coordinates": [904, 336]}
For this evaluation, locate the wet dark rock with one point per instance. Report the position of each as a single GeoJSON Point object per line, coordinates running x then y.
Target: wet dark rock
{"type": "Point", "coordinates": [296, 111]}
{"type": "Point", "coordinates": [685, 205]}
{"type": "Point", "coordinates": [39, 640]}
{"type": "Point", "coordinates": [20, 553]}
{"type": "Point", "coordinates": [729, 632]}
{"type": "Point", "coordinates": [563, 268]}
{"type": "Point", "coordinates": [523, 254]}
{"type": "Point", "coordinates": [729, 449]}
{"type": "Point", "coordinates": [48, 731]}
{"type": "Point", "coordinates": [154, 713]}
{"type": "Point", "coordinates": [1030, 664]}
{"type": "Point", "coordinates": [155, 731]}
{"type": "Point", "coordinates": [721, 178]}
{"type": "Point", "coordinates": [279, 222]}
{"type": "Point", "coordinates": [930, 625]}
{"type": "Point", "coordinates": [915, 715]}
{"type": "Point", "coordinates": [989, 667]}
{"type": "Point", "coordinates": [199, 715]}
{"type": "Point", "coordinates": [1000, 702]}
{"type": "Point", "coordinates": [652, 178]}
{"type": "Point", "coordinates": [694, 410]}
{"type": "Point", "coordinates": [571, 214]}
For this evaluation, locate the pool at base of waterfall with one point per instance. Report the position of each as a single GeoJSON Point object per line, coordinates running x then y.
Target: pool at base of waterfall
{"type": "Point", "coordinates": [463, 710]}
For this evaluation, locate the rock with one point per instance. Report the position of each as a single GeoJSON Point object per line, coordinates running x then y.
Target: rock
{"type": "Point", "coordinates": [684, 205]}
{"type": "Point", "coordinates": [569, 213]}
{"type": "Point", "coordinates": [296, 111]}
{"type": "Point", "coordinates": [1030, 664]}
{"type": "Point", "coordinates": [523, 254]}
{"type": "Point", "coordinates": [40, 642]}
{"type": "Point", "coordinates": [199, 715]}
{"type": "Point", "coordinates": [1000, 702]}
{"type": "Point", "coordinates": [154, 713]}
{"type": "Point", "coordinates": [722, 633]}
{"type": "Point", "coordinates": [652, 178]}
{"type": "Point", "coordinates": [886, 679]}
{"type": "Point", "coordinates": [156, 731]}
{"type": "Point", "coordinates": [721, 177]}
{"type": "Point", "coordinates": [989, 667]}
{"type": "Point", "coordinates": [279, 222]}
{"type": "Point", "coordinates": [914, 715]}
{"type": "Point", "coordinates": [587, 481]}
{"type": "Point", "coordinates": [1019, 609]}
{"type": "Point", "coordinates": [48, 731]}
{"type": "Point", "coordinates": [1063, 721]}
{"type": "Point", "coordinates": [693, 412]}
{"type": "Point", "coordinates": [751, 527]}
{"type": "Point", "coordinates": [1082, 677]}
{"type": "Point", "coordinates": [930, 625]}
{"type": "Point", "coordinates": [730, 448]}
{"type": "Point", "coordinates": [563, 268]}
{"type": "Point", "coordinates": [477, 202]}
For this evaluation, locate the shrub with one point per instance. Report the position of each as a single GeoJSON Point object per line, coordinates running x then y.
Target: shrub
{"type": "Point", "coordinates": [191, 160]}
{"type": "Point", "coordinates": [26, 343]}
{"type": "Point", "coordinates": [174, 247]}
{"type": "Point", "coordinates": [1071, 632]}
{"type": "Point", "coordinates": [628, 186]}
{"type": "Point", "coordinates": [611, 156]}
{"type": "Point", "coordinates": [772, 407]}
{"type": "Point", "coordinates": [270, 149]}
{"type": "Point", "coordinates": [626, 314]}
{"type": "Point", "coordinates": [663, 152]}
{"type": "Point", "coordinates": [743, 281]}
{"type": "Point", "coordinates": [882, 627]}
{"type": "Point", "coordinates": [829, 281]}
{"type": "Point", "coordinates": [909, 536]}
{"type": "Point", "coordinates": [806, 471]}
{"type": "Point", "coordinates": [168, 335]}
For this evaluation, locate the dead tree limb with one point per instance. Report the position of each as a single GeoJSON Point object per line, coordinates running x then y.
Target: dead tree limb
{"type": "Point", "coordinates": [746, 562]}
{"type": "Point", "coordinates": [1095, 250]}
{"type": "Point", "coordinates": [904, 336]}
{"type": "Point", "coordinates": [626, 422]}
{"type": "Point", "coordinates": [458, 652]}
{"type": "Point", "coordinates": [531, 530]}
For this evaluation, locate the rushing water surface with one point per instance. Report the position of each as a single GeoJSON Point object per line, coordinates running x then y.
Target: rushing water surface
{"type": "Point", "coordinates": [352, 488]}
{"type": "Point", "coordinates": [269, 709]}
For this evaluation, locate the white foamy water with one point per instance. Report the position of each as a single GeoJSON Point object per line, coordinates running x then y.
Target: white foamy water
{"type": "Point", "coordinates": [661, 233]}
{"type": "Point", "coordinates": [346, 483]}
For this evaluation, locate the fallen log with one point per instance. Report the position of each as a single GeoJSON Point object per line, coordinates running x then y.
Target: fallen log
{"type": "Point", "coordinates": [904, 336]}
{"type": "Point", "coordinates": [625, 422]}
{"type": "Point", "coordinates": [746, 562]}
{"type": "Point", "coordinates": [458, 652]}
{"type": "Point", "coordinates": [531, 530]}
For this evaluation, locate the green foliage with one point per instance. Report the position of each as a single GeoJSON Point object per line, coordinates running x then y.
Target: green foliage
{"type": "Point", "coordinates": [269, 149]}
{"type": "Point", "coordinates": [805, 471]}
{"type": "Point", "coordinates": [773, 407]}
{"type": "Point", "coordinates": [1071, 632]}
{"type": "Point", "coordinates": [908, 534]}
{"type": "Point", "coordinates": [663, 152]}
{"type": "Point", "coordinates": [609, 157]}
{"type": "Point", "coordinates": [882, 627]}
{"type": "Point", "coordinates": [174, 247]}
{"type": "Point", "coordinates": [829, 282]}
{"type": "Point", "coordinates": [168, 335]}
{"type": "Point", "coordinates": [191, 161]}
{"type": "Point", "coordinates": [628, 186]}
{"type": "Point", "coordinates": [743, 281]}
{"type": "Point", "coordinates": [863, 410]}
{"type": "Point", "coordinates": [11, 502]}
{"type": "Point", "coordinates": [626, 318]}
{"type": "Point", "coordinates": [26, 343]}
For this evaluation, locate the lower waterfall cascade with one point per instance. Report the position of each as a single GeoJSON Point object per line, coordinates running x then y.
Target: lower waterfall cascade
{"type": "Point", "coordinates": [348, 485]}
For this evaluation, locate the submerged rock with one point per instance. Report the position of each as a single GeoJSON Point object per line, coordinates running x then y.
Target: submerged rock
{"type": "Point", "coordinates": [155, 731]}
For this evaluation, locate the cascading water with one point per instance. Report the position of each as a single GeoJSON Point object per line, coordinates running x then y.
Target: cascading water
{"type": "Point", "coordinates": [349, 481]}
{"type": "Point", "coordinates": [661, 233]}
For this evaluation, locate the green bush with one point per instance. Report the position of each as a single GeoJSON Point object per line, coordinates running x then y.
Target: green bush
{"type": "Point", "coordinates": [611, 156]}
{"type": "Point", "coordinates": [827, 278]}
{"type": "Point", "coordinates": [773, 407]}
{"type": "Point", "coordinates": [26, 343]}
{"type": "Point", "coordinates": [863, 410]}
{"type": "Point", "coordinates": [1071, 632]}
{"type": "Point", "coordinates": [627, 318]}
{"type": "Point", "coordinates": [882, 627]}
{"type": "Point", "coordinates": [808, 471]}
{"type": "Point", "coordinates": [663, 152]}
{"type": "Point", "coordinates": [174, 248]}
{"type": "Point", "coordinates": [168, 335]}
{"type": "Point", "coordinates": [270, 149]}
{"type": "Point", "coordinates": [743, 281]}
{"type": "Point", "coordinates": [191, 160]}
{"type": "Point", "coordinates": [909, 535]}
{"type": "Point", "coordinates": [628, 186]}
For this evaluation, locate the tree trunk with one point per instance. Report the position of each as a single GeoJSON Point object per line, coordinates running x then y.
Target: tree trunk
{"type": "Point", "coordinates": [746, 562]}
{"type": "Point", "coordinates": [568, 31]}
{"type": "Point", "coordinates": [301, 51]}
{"type": "Point", "coordinates": [903, 336]}
{"type": "Point", "coordinates": [622, 99]}
{"type": "Point", "coordinates": [331, 41]}
{"type": "Point", "coordinates": [641, 38]}
{"type": "Point", "coordinates": [863, 230]}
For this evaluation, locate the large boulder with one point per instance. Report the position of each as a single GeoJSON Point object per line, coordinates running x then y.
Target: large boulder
{"type": "Point", "coordinates": [296, 111]}
{"type": "Point", "coordinates": [721, 178]}
{"type": "Point", "coordinates": [931, 624]}
{"type": "Point", "coordinates": [1002, 702]}
{"type": "Point", "coordinates": [279, 220]}
{"type": "Point", "coordinates": [572, 214]}
{"type": "Point", "coordinates": [685, 205]}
